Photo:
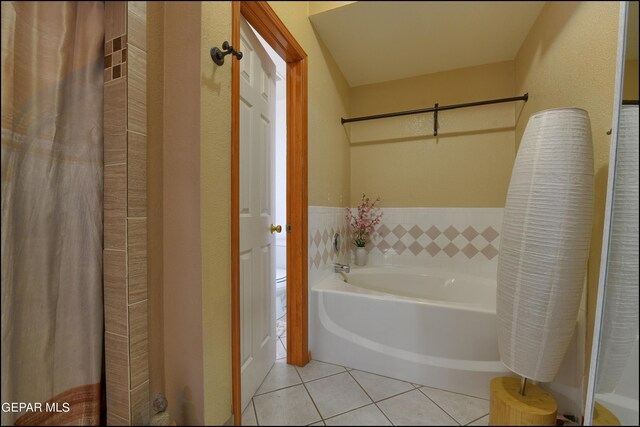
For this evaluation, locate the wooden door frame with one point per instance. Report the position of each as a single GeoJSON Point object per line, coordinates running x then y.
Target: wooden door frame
{"type": "Point", "coordinates": [265, 21]}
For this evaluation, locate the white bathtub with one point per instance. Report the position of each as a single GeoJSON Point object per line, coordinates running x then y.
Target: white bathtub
{"type": "Point", "coordinates": [420, 325]}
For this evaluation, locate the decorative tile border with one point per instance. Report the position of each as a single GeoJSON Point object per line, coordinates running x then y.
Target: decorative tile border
{"type": "Point", "coordinates": [323, 223]}
{"type": "Point", "coordinates": [115, 58]}
{"type": "Point", "coordinates": [456, 239]}
{"type": "Point", "coordinates": [451, 241]}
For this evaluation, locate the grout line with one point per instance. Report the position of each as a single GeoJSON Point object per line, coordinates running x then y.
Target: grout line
{"type": "Point", "coordinates": [473, 421]}
{"type": "Point", "coordinates": [136, 132]}
{"type": "Point", "coordinates": [116, 164]}
{"type": "Point", "coordinates": [383, 376]}
{"type": "Point", "coordinates": [139, 302]}
{"type": "Point", "coordinates": [255, 412]}
{"type": "Point", "coordinates": [312, 401]}
{"type": "Point", "coordinates": [118, 335]}
{"type": "Point", "coordinates": [321, 378]}
{"type": "Point", "coordinates": [454, 392]}
{"type": "Point", "coordinates": [434, 402]}
{"type": "Point", "coordinates": [265, 378]}
{"type": "Point", "coordinates": [374, 402]}
{"type": "Point", "coordinates": [396, 395]}
{"type": "Point", "coordinates": [350, 410]}
{"type": "Point", "coordinates": [278, 389]}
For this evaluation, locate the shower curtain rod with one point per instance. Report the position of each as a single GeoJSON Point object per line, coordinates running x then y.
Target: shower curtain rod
{"type": "Point", "coordinates": [435, 110]}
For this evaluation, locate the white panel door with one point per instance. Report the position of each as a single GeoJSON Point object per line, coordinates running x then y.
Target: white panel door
{"type": "Point", "coordinates": [257, 199]}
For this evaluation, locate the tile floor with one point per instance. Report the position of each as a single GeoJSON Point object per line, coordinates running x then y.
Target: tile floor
{"type": "Point", "coordinates": [326, 394]}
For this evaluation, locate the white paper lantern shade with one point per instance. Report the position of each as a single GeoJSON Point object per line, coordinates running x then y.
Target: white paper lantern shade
{"type": "Point", "coordinates": [620, 316]}
{"type": "Point", "coordinates": [544, 246]}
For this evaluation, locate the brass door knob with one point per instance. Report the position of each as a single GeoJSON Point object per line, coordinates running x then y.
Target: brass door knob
{"type": "Point", "coordinates": [276, 229]}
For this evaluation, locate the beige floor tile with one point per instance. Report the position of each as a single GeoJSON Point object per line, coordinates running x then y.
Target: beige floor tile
{"type": "Point", "coordinates": [280, 376]}
{"type": "Point", "coordinates": [337, 394]}
{"type": "Point", "coordinates": [290, 406]}
{"type": "Point", "coordinates": [463, 409]}
{"type": "Point", "coordinates": [378, 387]}
{"type": "Point", "coordinates": [249, 415]}
{"type": "Point", "coordinates": [315, 369]}
{"type": "Point", "coordinates": [414, 408]}
{"type": "Point", "coordinates": [484, 421]}
{"type": "Point", "coordinates": [367, 416]}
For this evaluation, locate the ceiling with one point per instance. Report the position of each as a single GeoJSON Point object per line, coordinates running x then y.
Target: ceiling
{"type": "Point", "coordinates": [376, 41]}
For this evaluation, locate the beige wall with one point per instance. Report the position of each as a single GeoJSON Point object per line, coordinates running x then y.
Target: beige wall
{"type": "Point", "coordinates": [191, 165]}
{"type": "Point", "coordinates": [215, 193]}
{"type": "Point", "coordinates": [155, 91]}
{"type": "Point", "coordinates": [189, 175]}
{"type": "Point", "coordinates": [182, 262]}
{"type": "Point", "coordinates": [328, 101]}
{"type": "Point", "coordinates": [630, 87]}
{"type": "Point", "coordinates": [467, 165]}
{"type": "Point", "coordinates": [323, 6]}
{"type": "Point", "coordinates": [563, 62]}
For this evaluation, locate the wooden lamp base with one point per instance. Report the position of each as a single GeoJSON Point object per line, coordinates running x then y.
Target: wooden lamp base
{"type": "Point", "coordinates": [509, 408]}
{"type": "Point", "coordinates": [604, 417]}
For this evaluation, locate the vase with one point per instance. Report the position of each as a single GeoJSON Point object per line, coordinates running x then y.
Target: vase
{"type": "Point", "coordinates": [361, 255]}
{"type": "Point", "coordinates": [544, 243]}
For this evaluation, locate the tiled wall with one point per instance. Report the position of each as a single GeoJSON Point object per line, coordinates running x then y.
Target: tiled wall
{"type": "Point", "coordinates": [324, 222]}
{"type": "Point", "coordinates": [462, 240]}
{"type": "Point", "coordinates": [125, 214]}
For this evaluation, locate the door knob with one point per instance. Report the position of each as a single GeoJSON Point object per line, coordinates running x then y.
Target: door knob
{"type": "Point", "coordinates": [276, 229]}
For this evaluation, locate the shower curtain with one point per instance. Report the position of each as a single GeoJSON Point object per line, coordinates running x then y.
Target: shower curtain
{"type": "Point", "coordinates": [52, 322]}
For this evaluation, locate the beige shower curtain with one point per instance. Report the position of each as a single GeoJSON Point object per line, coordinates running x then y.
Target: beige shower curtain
{"type": "Point", "coordinates": [52, 322]}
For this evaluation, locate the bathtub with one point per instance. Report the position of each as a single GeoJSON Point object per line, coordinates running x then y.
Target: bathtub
{"type": "Point", "coordinates": [420, 325]}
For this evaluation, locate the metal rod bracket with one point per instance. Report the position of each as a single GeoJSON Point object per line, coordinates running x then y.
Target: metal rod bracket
{"type": "Point", "coordinates": [435, 120]}
{"type": "Point", "coordinates": [218, 55]}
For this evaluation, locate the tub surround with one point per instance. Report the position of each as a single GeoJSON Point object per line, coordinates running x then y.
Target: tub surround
{"type": "Point", "coordinates": [324, 222]}
{"type": "Point", "coordinates": [456, 232]}
{"type": "Point", "coordinates": [463, 240]}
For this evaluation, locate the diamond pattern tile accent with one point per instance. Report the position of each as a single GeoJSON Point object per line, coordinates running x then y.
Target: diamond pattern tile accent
{"type": "Point", "coordinates": [416, 232]}
{"type": "Point", "coordinates": [451, 232]}
{"type": "Point", "coordinates": [416, 248]}
{"type": "Point", "coordinates": [470, 251]}
{"type": "Point", "coordinates": [433, 232]}
{"type": "Point", "coordinates": [490, 234]}
{"type": "Point", "coordinates": [383, 246]}
{"type": "Point", "coordinates": [433, 249]}
{"type": "Point", "coordinates": [399, 231]}
{"type": "Point", "coordinates": [399, 247]}
{"type": "Point", "coordinates": [489, 251]}
{"type": "Point", "coordinates": [451, 250]}
{"type": "Point", "coordinates": [383, 231]}
{"type": "Point", "coordinates": [470, 233]}
{"type": "Point", "coordinates": [418, 239]}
